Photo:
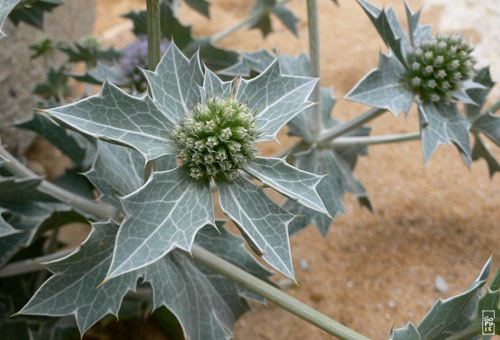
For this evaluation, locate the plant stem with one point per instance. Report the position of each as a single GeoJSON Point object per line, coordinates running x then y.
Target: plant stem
{"type": "Point", "coordinates": [32, 265]}
{"type": "Point", "coordinates": [273, 294]}
{"type": "Point", "coordinates": [495, 107]}
{"type": "Point", "coordinates": [154, 32]}
{"type": "Point", "coordinates": [105, 212]}
{"type": "Point", "coordinates": [314, 57]}
{"type": "Point", "coordinates": [338, 130]}
{"type": "Point", "coordinates": [154, 53]}
{"type": "Point", "coordinates": [100, 210]}
{"type": "Point", "coordinates": [248, 21]}
{"type": "Point", "coordinates": [373, 140]}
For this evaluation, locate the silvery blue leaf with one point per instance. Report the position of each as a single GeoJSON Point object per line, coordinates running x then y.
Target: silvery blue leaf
{"type": "Point", "coordinates": [447, 317]}
{"type": "Point", "coordinates": [288, 180]}
{"type": "Point", "coordinates": [409, 332]}
{"type": "Point", "coordinates": [389, 29]}
{"type": "Point", "coordinates": [6, 6]}
{"type": "Point", "coordinates": [384, 87]}
{"type": "Point", "coordinates": [116, 172]}
{"type": "Point", "coordinates": [174, 83]}
{"type": "Point", "coordinates": [276, 98]}
{"type": "Point", "coordinates": [120, 118]}
{"type": "Point", "coordinates": [164, 214]}
{"type": "Point", "coordinates": [443, 124]}
{"type": "Point", "coordinates": [263, 223]}
{"type": "Point", "coordinates": [205, 303]}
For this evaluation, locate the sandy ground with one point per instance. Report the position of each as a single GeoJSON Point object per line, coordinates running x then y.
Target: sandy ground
{"type": "Point", "coordinates": [372, 270]}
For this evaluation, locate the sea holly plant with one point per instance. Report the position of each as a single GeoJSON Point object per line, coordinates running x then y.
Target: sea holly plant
{"type": "Point", "coordinates": [212, 128]}
{"type": "Point", "coordinates": [159, 145]}
{"type": "Point", "coordinates": [436, 71]}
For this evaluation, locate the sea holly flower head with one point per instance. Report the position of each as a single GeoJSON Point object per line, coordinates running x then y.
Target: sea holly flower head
{"type": "Point", "coordinates": [211, 127]}
{"type": "Point", "coordinates": [439, 66]}
{"type": "Point", "coordinates": [433, 71]}
{"type": "Point", "coordinates": [217, 139]}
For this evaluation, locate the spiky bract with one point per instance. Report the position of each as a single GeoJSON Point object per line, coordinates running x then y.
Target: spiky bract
{"type": "Point", "coordinates": [216, 139]}
{"type": "Point", "coordinates": [438, 67]}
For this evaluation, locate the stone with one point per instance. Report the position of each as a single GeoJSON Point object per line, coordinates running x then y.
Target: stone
{"type": "Point", "coordinates": [19, 74]}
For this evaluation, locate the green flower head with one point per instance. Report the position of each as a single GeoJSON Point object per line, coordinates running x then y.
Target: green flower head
{"type": "Point", "coordinates": [217, 138]}
{"type": "Point", "coordinates": [439, 66]}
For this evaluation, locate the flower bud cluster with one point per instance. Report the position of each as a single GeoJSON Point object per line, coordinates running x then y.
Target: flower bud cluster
{"type": "Point", "coordinates": [216, 139]}
{"type": "Point", "coordinates": [438, 66]}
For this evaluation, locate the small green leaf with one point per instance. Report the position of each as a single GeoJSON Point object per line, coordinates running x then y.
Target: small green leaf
{"type": "Point", "coordinates": [287, 17]}
{"type": "Point", "coordinates": [214, 87]}
{"type": "Point", "coordinates": [263, 223]}
{"type": "Point", "coordinates": [288, 180]}
{"type": "Point", "coordinates": [120, 118]}
{"type": "Point", "coordinates": [479, 95]}
{"type": "Point", "coordinates": [164, 214]}
{"type": "Point", "coordinates": [201, 6]}
{"type": "Point", "coordinates": [263, 10]}
{"type": "Point", "coordinates": [32, 12]}
{"type": "Point", "coordinates": [384, 87]}
{"type": "Point", "coordinates": [443, 124]}
{"type": "Point", "coordinates": [276, 98]}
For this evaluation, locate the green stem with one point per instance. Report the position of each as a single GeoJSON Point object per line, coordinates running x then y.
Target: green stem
{"type": "Point", "coordinates": [314, 57]}
{"type": "Point", "coordinates": [154, 53]}
{"type": "Point", "coordinates": [495, 107]}
{"type": "Point", "coordinates": [247, 22]}
{"type": "Point", "coordinates": [339, 130]}
{"type": "Point", "coordinates": [273, 294]}
{"type": "Point", "coordinates": [100, 210]}
{"type": "Point", "coordinates": [154, 32]}
{"type": "Point", "coordinates": [105, 211]}
{"type": "Point", "coordinates": [373, 140]}
{"type": "Point", "coordinates": [32, 265]}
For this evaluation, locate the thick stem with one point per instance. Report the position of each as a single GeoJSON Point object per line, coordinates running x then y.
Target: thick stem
{"type": "Point", "coordinates": [338, 130]}
{"type": "Point", "coordinates": [314, 57]}
{"type": "Point", "coordinates": [154, 32]}
{"type": "Point", "coordinates": [100, 210]}
{"type": "Point", "coordinates": [495, 107]}
{"type": "Point", "coordinates": [273, 294]}
{"type": "Point", "coordinates": [154, 53]}
{"type": "Point", "coordinates": [247, 22]}
{"type": "Point", "coordinates": [373, 140]}
{"type": "Point", "coordinates": [32, 265]}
